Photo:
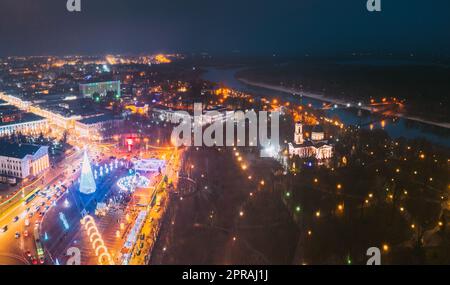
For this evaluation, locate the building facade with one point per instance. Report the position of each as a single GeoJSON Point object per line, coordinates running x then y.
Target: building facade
{"type": "Point", "coordinates": [28, 124]}
{"type": "Point", "coordinates": [101, 88]}
{"type": "Point", "coordinates": [98, 128]}
{"type": "Point", "coordinates": [315, 147]}
{"type": "Point", "coordinates": [23, 160]}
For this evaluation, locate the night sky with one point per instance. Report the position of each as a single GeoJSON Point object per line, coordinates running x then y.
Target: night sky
{"type": "Point", "coordinates": [43, 27]}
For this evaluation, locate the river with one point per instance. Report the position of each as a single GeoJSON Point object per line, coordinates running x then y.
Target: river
{"type": "Point", "coordinates": [397, 128]}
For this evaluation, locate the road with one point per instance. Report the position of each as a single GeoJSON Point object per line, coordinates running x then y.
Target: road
{"type": "Point", "coordinates": [12, 249]}
{"type": "Point", "coordinates": [57, 236]}
{"type": "Point", "coordinates": [61, 238]}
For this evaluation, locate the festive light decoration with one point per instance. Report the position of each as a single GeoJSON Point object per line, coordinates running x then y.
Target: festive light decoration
{"type": "Point", "coordinates": [129, 183]}
{"type": "Point", "coordinates": [149, 165]}
{"type": "Point", "coordinates": [63, 219]}
{"type": "Point", "coordinates": [98, 245]}
{"type": "Point", "coordinates": [87, 181]}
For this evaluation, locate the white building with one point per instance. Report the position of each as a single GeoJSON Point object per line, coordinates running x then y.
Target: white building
{"type": "Point", "coordinates": [98, 128]}
{"type": "Point", "coordinates": [208, 116]}
{"type": "Point", "coordinates": [28, 124]}
{"type": "Point", "coordinates": [55, 118]}
{"type": "Point", "coordinates": [23, 160]}
{"type": "Point", "coordinates": [16, 101]}
{"type": "Point", "coordinates": [316, 147]}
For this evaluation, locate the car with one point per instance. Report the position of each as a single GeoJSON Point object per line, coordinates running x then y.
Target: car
{"type": "Point", "coordinates": [43, 203]}
{"type": "Point", "coordinates": [33, 260]}
{"type": "Point", "coordinates": [28, 209]}
{"type": "Point", "coordinates": [138, 253]}
{"type": "Point", "coordinates": [16, 218]}
{"type": "Point", "coordinates": [31, 215]}
{"type": "Point", "coordinates": [4, 229]}
{"type": "Point", "coordinates": [41, 260]}
{"type": "Point", "coordinates": [17, 235]}
{"type": "Point", "coordinates": [37, 208]}
{"type": "Point", "coordinates": [25, 233]}
{"type": "Point", "coordinates": [141, 245]}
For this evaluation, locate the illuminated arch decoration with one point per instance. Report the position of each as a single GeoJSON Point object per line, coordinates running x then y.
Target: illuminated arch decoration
{"type": "Point", "coordinates": [98, 245]}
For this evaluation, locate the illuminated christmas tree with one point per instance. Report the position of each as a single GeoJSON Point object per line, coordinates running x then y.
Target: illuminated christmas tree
{"type": "Point", "coordinates": [87, 183]}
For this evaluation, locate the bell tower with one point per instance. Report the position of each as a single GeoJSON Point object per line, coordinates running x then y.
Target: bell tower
{"type": "Point", "coordinates": [298, 135]}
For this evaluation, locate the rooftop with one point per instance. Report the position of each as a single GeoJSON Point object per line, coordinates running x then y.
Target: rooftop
{"type": "Point", "coordinates": [317, 129]}
{"type": "Point", "coordinates": [25, 118]}
{"type": "Point", "coordinates": [79, 107]}
{"type": "Point", "coordinates": [98, 119]}
{"type": "Point", "coordinates": [8, 110]}
{"type": "Point", "coordinates": [18, 150]}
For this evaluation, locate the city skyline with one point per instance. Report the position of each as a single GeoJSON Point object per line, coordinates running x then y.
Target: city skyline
{"type": "Point", "coordinates": [170, 132]}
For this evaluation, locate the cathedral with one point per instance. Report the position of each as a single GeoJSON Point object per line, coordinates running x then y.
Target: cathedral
{"type": "Point", "coordinates": [316, 146]}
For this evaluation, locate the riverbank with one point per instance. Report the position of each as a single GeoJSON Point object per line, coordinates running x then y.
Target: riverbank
{"type": "Point", "coordinates": [334, 100]}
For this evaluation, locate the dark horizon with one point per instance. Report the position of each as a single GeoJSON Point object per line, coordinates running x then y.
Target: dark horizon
{"type": "Point", "coordinates": [285, 27]}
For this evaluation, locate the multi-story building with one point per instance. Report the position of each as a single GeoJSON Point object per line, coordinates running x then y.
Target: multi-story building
{"type": "Point", "coordinates": [16, 101]}
{"type": "Point", "coordinates": [315, 147]}
{"type": "Point", "coordinates": [26, 124]}
{"type": "Point", "coordinates": [208, 116]}
{"type": "Point", "coordinates": [98, 128]}
{"type": "Point", "coordinates": [101, 88]}
{"type": "Point", "coordinates": [56, 116]}
{"type": "Point", "coordinates": [139, 109]}
{"type": "Point", "coordinates": [22, 160]}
